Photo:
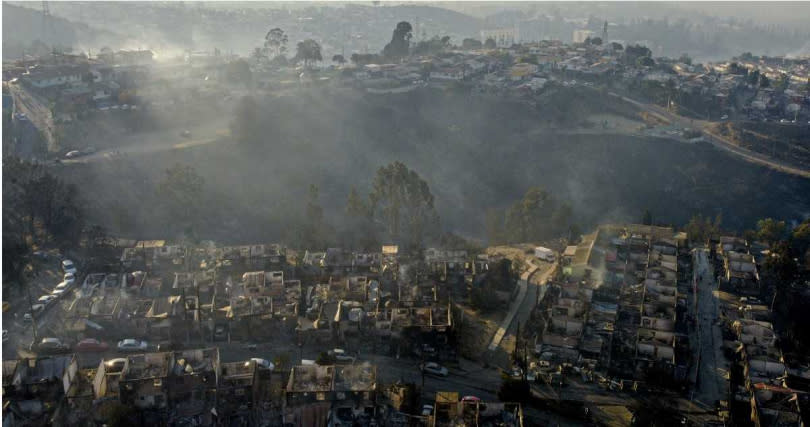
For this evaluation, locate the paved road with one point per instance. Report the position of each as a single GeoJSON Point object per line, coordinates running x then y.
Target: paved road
{"type": "Point", "coordinates": [155, 142]}
{"type": "Point", "coordinates": [711, 368]}
{"type": "Point", "coordinates": [716, 140]}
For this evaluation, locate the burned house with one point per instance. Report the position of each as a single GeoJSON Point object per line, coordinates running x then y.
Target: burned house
{"type": "Point", "coordinates": [331, 395]}
{"type": "Point", "coordinates": [446, 264]}
{"type": "Point", "coordinates": [35, 391]}
{"type": "Point", "coordinates": [740, 273]}
{"type": "Point", "coordinates": [144, 384]}
{"type": "Point", "coordinates": [450, 411]}
{"type": "Point", "coordinates": [238, 393]}
{"type": "Point", "coordinates": [258, 256]}
{"type": "Point", "coordinates": [193, 380]}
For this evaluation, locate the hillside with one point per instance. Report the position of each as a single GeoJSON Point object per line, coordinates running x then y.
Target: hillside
{"type": "Point", "coordinates": [475, 153]}
{"type": "Point", "coordinates": [23, 26]}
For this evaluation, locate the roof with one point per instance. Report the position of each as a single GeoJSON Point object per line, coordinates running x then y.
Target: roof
{"type": "Point", "coordinates": [148, 244]}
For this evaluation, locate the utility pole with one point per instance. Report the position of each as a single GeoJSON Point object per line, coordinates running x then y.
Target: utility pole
{"type": "Point", "coordinates": [33, 315]}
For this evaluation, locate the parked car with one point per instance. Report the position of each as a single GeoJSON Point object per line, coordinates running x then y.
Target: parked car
{"type": "Point", "coordinates": [427, 410]}
{"type": "Point", "coordinates": [262, 363]}
{"type": "Point", "coordinates": [115, 365]}
{"type": "Point", "coordinates": [5, 335]}
{"type": "Point", "coordinates": [68, 266]}
{"type": "Point", "coordinates": [131, 344]}
{"type": "Point", "coordinates": [72, 154]}
{"type": "Point", "coordinates": [434, 368]}
{"type": "Point", "coordinates": [70, 278]}
{"type": "Point", "coordinates": [340, 355]}
{"type": "Point", "coordinates": [36, 309]}
{"type": "Point", "coordinates": [46, 300]}
{"type": "Point", "coordinates": [61, 289]}
{"type": "Point", "coordinates": [185, 134]}
{"type": "Point", "coordinates": [470, 399]}
{"type": "Point", "coordinates": [91, 345]}
{"type": "Point", "coordinates": [52, 345]}
{"type": "Point", "coordinates": [220, 333]}
{"type": "Point", "coordinates": [516, 373]}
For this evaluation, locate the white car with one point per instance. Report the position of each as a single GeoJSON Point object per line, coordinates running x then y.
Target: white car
{"type": "Point", "coordinates": [262, 363]}
{"type": "Point", "coordinates": [61, 289]}
{"type": "Point", "coordinates": [340, 355]}
{"type": "Point", "coordinates": [131, 344]}
{"type": "Point", "coordinates": [36, 309]}
{"type": "Point", "coordinates": [68, 267]}
{"type": "Point", "coordinates": [72, 154]}
{"type": "Point", "coordinates": [46, 300]}
{"type": "Point", "coordinates": [427, 410]}
{"type": "Point", "coordinates": [434, 369]}
{"type": "Point", "coordinates": [69, 278]}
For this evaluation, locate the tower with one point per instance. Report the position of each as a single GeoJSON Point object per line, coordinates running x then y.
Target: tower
{"type": "Point", "coordinates": [604, 34]}
{"type": "Point", "coordinates": [46, 22]}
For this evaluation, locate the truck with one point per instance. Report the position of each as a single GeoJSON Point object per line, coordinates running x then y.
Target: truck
{"type": "Point", "coordinates": [545, 254]}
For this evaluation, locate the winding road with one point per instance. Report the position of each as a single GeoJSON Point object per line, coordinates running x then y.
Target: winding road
{"type": "Point", "coordinates": [714, 139]}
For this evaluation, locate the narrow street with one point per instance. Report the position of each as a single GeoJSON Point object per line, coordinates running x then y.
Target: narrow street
{"type": "Point", "coordinates": [711, 367]}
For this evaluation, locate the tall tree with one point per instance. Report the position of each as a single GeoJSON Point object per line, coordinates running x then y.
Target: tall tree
{"type": "Point", "coordinates": [308, 51]}
{"type": "Point", "coordinates": [490, 44]}
{"type": "Point", "coordinates": [180, 193]}
{"type": "Point", "coordinates": [399, 45]}
{"type": "Point", "coordinates": [246, 126]}
{"type": "Point", "coordinates": [276, 41]}
{"type": "Point", "coordinates": [647, 219]}
{"type": "Point", "coordinates": [339, 59]}
{"type": "Point", "coordinates": [771, 230]}
{"type": "Point", "coordinates": [403, 201]}
{"type": "Point", "coordinates": [471, 44]}
{"type": "Point", "coordinates": [312, 235]}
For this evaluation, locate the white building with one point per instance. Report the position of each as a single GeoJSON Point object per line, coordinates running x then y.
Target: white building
{"type": "Point", "coordinates": [581, 35]}
{"type": "Point", "coordinates": [504, 37]}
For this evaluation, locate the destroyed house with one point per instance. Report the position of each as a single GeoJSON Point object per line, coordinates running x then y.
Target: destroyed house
{"type": "Point", "coordinates": [193, 379]}
{"type": "Point", "coordinates": [343, 393]}
{"type": "Point", "coordinates": [775, 406]}
{"type": "Point", "coordinates": [437, 317]}
{"type": "Point", "coordinates": [366, 262]}
{"type": "Point", "coordinates": [238, 392]}
{"type": "Point", "coordinates": [35, 389]}
{"type": "Point", "coordinates": [253, 256]}
{"type": "Point", "coordinates": [477, 414]}
{"type": "Point", "coordinates": [741, 273]}
{"type": "Point", "coordinates": [144, 381]}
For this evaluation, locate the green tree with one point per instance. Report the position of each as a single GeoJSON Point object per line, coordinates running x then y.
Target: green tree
{"type": "Point", "coordinates": [700, 229]}
{"type": "Point", "coordinates": [339, 59]}
{"type": "Point", "coordinates": [238, 72]}
{"type": "Point", "coordinates": [399, 45]}
{"type": "Point", "coordinates": [276, 41]}
{"type": "Point", "coordinates": [537, 216]}
{"type": "Point", "coordinates": [308, 51]}
{"type": "Point", "coordinates": [490, 43]}
{"type": "Point", "coordinates": [325, 359]}
{"type": "Point", "coordinates": [471, 44]}
{"type": "Point", "coordinates": [246, 126]}
{"type": "Point", "coordinates": [800, 238]}
{"type": "Point", "coordinates": [770, 230]}
{"type": "Point", "coordinates": [361, 231]}
{"type": "Point", "coordinates": [647, 219]}
{"type": "Point", "coordinates": [180, 194]}
{"type": "Point", "coordinates": [402, 200]}
{"type": "Point", "coordinates": [494, 226]}
{"type": "Point", "coordinates": [313, 232]}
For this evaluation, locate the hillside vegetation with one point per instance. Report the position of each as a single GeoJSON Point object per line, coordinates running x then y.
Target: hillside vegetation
{"type": "Point", "coordinates": [475, 153]}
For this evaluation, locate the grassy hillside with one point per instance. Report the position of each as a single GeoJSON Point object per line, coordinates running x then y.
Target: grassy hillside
{"type": "Point", "coordinates": [475, 153]}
